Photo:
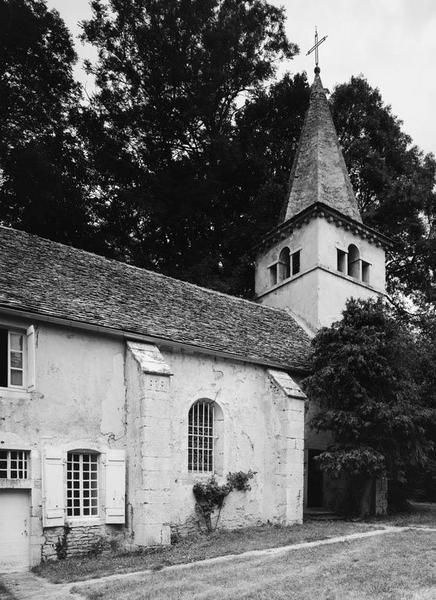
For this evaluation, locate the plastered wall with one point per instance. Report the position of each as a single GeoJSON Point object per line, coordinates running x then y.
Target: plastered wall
{"type": "Point", "coordinates": [78, 402]}
{"type": "Point", "coordinates": [318, 293]}
{"type": "Point", "coordinates": [92, 393]}
{"type": "Point", "coordinates": [263, 430]}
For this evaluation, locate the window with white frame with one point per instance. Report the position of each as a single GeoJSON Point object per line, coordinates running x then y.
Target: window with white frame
{"type": "Point", "coordinates": [82, 484]}
{"type": "Point", "coordinates": [14, 464]}
{"type": "Point", "coordinates": [11, 358]}
{"type": "Point", "coordinates": [201, 439]}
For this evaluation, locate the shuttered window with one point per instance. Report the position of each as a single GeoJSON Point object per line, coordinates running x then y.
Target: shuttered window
{"type": "Point", "coordinates": [201, 437]}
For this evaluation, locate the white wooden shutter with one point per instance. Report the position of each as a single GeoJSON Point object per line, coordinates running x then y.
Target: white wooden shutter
{"type": "Point", "coordinates": [115, 486]}
{"type": "Point", "coordinates": [53, 487]}
{"type": "Point", "coordinates": [31, 363]}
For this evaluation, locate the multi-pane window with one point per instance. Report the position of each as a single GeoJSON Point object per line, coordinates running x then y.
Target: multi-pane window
{"type": "Point", "coordinates": [82, 484]}
{"type": "Point", "coordinates": [11, 358]}
{"type": "Point", "coordinates": [14, 464]}
{"type": "Point", "coordinates": [201, 437]}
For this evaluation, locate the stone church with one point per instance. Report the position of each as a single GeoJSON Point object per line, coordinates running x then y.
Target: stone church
{"type": "Point", "coordinates": [120, 388]}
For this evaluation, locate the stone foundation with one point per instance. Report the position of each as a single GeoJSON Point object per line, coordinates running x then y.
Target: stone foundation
{"type": "Point", "coordinates": [63, 542]}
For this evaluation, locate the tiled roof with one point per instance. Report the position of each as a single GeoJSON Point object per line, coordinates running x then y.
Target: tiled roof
{"type": "Point", "coordinates": [319, 173]}
{"type": "Point", "coordinates": [50, 279]}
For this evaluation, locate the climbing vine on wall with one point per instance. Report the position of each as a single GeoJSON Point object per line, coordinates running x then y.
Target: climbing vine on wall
{"type": "Point", "coordinates": [209, 495]}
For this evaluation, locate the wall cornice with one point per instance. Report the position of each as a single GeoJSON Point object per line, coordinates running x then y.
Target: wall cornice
{"type": "Point", "coordinates": [321, 210]}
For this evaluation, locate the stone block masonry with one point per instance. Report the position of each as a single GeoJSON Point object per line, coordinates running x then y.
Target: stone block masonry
{"type": "Point", "coordinates": [76, 541]}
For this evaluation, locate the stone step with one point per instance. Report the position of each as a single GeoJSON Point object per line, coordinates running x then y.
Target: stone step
{"type": "Point", "coordinates": [319, 514]}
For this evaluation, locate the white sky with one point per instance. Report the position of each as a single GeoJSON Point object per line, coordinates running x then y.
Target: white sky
{"type": "Point", "coordinates": [391, 42]}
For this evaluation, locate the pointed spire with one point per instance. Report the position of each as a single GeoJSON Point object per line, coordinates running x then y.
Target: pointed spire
{"type": "Point", "coordinates": [319, 173]}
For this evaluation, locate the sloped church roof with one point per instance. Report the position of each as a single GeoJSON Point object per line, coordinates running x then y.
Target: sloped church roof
{"type": "Point", "coordinates": [56, 281]}
{"type": "Point", "coordinates": [319, 173]}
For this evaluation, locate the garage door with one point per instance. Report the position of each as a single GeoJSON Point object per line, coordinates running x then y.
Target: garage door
{"type": "Point", "coordinates": [14, 530]}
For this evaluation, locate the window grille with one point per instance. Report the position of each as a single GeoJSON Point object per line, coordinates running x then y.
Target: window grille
{"type": "Point", "coordinates": [82, 485]}
{"type": "Point", "coordinates": [14, 464]}
{"type": "Point", "coordinates": [201, 437]}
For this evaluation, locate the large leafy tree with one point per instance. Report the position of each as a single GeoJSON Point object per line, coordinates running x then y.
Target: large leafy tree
{"type": "Point", "coordinates": [367, 383]}
{"type": "Point", "coordinates": [43, 169]}
{"type": "Point", "coordinates": [394, 183]}
{"type": "Point", "coordinates": [170, 78]}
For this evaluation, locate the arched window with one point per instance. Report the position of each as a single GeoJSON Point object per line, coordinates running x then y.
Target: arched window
{"type": "Point", "coordinates": [284, 264]}
{"type": "Point", "coordinates": [205, 437]}
{"type": "Point", "coordinates": [353, 261]}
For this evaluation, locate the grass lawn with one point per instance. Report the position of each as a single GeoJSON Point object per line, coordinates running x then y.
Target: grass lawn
{"type": "Point", "coordinates": [421, 513]}
{"type": "Point", "coordinates": [394, 566]}
{"type": "Point", "coordinates": [5, 594]}
{"type": "Point", "coordinates": [196, 548]}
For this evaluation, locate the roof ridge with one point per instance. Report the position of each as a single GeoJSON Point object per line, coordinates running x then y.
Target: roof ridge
{"type": "Point", "coordinates": [143, 270]}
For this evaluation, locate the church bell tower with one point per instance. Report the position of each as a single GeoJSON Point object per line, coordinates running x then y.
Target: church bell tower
{"type": "Point", "coordinates": [321, 253]}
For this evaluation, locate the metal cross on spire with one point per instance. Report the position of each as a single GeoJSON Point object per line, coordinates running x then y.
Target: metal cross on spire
{"type": "Point", "coordinates": [315, 48]}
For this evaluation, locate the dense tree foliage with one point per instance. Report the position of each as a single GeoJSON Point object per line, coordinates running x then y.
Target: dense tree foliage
{"type": "Point", "coordinates": [422, 480]}
{"type": "Point", "coordinates": [180, 161]}
{"type": "Point", "coordinates": [170, 76]}
{"type": "Point", "coordinates": [42, 164]}
{"type": "Point", "coordinates": [394, 184]}
{"type": "Point", "coordinates": [367, 381]}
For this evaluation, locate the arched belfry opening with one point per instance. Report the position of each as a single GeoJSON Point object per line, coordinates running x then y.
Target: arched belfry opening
{"type": "Point", "coordinates": [284, 264]}
{"type": "Point", "coordinates": [353, 261]}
